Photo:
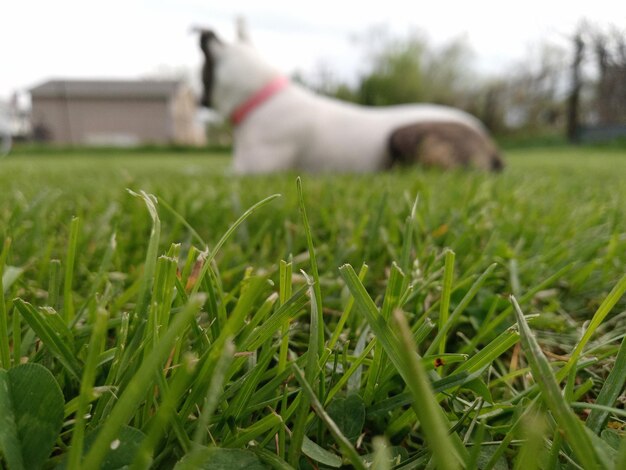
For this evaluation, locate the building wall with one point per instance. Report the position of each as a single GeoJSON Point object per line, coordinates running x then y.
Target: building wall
{"type": "Point", "coordinates": [49, 120]}
{"type": "Point", "coordinates": [103, 121]}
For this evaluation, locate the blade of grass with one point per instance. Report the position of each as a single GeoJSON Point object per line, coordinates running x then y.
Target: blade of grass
{"type": "Point", "coordinates": [213, 392]}
{"type": "Point", "coordinates": [100, 279]}
{"type": "Point", "coordinates": [423, 331]}
{"type": "Point", "coordinates": [253, 289]}
{"type": "Point", "coordinates": [610, 392]}
{"type": "Point", "coordinates": [317, 292]}
{"type": "Point", "coordinates": [620, 462]}
{"type": "Point", "coordinates": [454, 317]}
{"type": "Point", "coordinates": [368, 308]}
{"type": "Point", "coordinates": [96, 344]}
{"type": "Point", "coordinates": [44, 329]}
{"type": "Point", "coordinates": [355, 379]}
{"type": "Point", "coordinates": [555, 449]}
{"type": "Point", "coordinates": [603, 310]}
{"type": "Point", "coordinates": [254, 431]}
{"type": "Point", "coordinates": [285, 287]}
{"type": "Point", "coordinates": [346, 447]}
{"type": "Point", "coordinates": [17, 338]}
{"type": "Point", "coordinates": [68, 302]}
{"type": "Point", "coordinates": [284, 294]}
{"type": "Point", "coordinates": [346, 312]}
{"type": "Point", "coordinates": [476, 446]}
{"type": "Point", "coordinates": [99, 412]}
{"type": "Point", "coordinates": [603, 408]}
{"type": "Point", "coordinates": [54, 283]}
{"type": "Point", "coordinates": [396, 352]}
{"type": "Point", "coordinates": [531, 453]}
{"type": "Point", "coordinates": [272, 324]}
{"type": "Point", "coordinates": [545, 378]}
{"type": "Point", "coordinates": [382, 455]}
{"type": "Point", "coordinates": [11, 274]}
{"type": "Point", "coordinates": [374, 225]}
{"type": "Point", "coordinates": [500, 344]}
{"type": "Point", "coordinates": [167, 408]}
{"type": "Point", "coordinates": [145, 290]}
{"type": "Point", "coordinates": [259, 316]}
{"type": "Point", "coordinates": [285, 417]}
{"type": "Point", "coordinates": [519, 415]}
{"type": "Point", "coordinates": [345, 377]}
{"type": "Point", "coordinates": [487, 329]}
{"type": "Point", "coordinates": [244, 395]}
{"type": "Point", "coordinates": [312, 372]}
{"type": "Point", "coordinates": [226, 236]}
{"type": "Point", "coordinates": [444, 305]}
{"type": "Point", "coordinates": [268, 391]}
{"type": "Point", "coordinates": [407, 242]}
{"type": "Point", "coordinates": [393, 293]}
{"type": "Point", "coordinates": [183, 221]}
{"type": "Point", "coordinates": [250, 293]}
{"type": "Point", "coordinates": [139, 384]}
{"type": "Point", "coordinates": [430, 415]}
{"type": "Point", "coordinates": [405, 398]}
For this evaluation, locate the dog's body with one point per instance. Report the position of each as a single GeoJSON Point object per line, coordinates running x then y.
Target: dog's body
{"type": "Point", "coordinates": [294, 128]}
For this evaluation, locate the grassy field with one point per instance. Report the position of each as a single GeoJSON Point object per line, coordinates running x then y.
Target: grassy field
{"type": "Point", "coordinates": [171, 326]}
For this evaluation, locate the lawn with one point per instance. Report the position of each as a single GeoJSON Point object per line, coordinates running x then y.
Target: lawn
{"type": "Point", "coordinates": [169, 326]}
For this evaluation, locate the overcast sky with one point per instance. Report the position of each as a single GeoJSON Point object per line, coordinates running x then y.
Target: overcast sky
{"type": "Point", "coordinates": [137, 38]}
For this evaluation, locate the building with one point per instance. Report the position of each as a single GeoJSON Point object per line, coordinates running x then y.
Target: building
{"type": "Point", "coordinates": [115, 112]}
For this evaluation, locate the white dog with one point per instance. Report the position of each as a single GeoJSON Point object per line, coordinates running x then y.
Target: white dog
{"type": "Point", "coordinates": [279, 125]}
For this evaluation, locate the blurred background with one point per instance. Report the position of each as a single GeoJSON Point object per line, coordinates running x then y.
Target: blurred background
{"type": "Point", "coordinates": [126, 73]}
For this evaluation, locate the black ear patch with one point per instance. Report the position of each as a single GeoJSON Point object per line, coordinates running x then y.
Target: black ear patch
{"type": "Point", "coordinates": [208, 69]}
{"type": "Point", "coordinates": [444, 144]}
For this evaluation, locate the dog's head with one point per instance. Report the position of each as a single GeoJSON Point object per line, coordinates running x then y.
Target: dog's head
{"type": "Point", "coordinates": [231, 71]}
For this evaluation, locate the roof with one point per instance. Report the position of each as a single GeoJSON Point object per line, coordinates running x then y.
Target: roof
{"type": "Point", "coordinates": [106, 89]}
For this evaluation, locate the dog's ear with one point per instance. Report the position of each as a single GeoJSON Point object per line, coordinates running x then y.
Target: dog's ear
{"type": "Point", "coordinates": [208, 40]}
{"type": "Point", "coordinates": [243, 35]}
{"type": "Point", "coordinates": [207, 37]}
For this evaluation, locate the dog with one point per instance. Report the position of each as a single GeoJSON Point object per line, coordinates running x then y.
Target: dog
{"type": "Point", "coordinates": [279, 125]}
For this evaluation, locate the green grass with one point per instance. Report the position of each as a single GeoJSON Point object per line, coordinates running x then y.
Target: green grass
{"type": "Point", "coordinates": [415, 319]}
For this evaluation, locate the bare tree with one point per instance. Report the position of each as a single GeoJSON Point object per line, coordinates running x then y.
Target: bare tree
{"type": "Point", "coordinates": [573, 101]}
{"type": "Point", "coordinates": [610, 54]}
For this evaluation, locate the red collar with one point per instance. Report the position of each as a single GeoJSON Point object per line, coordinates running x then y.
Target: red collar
{"type": "Point", "coordinates": [265, 93]}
